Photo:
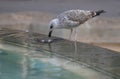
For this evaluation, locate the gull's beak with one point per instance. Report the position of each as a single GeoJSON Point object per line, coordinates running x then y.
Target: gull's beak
{"type": "Point", "coordinates": [51, 30]}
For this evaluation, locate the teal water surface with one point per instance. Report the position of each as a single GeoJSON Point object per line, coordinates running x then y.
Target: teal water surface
{"type": "Point", "coordinates": [16, 66]}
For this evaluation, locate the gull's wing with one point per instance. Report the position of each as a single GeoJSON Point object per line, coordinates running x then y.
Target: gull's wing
{"type": "Point", "coordinates": [76, 15]}
{"type": "Point", "coordinates": [72, 23]}
{"type": "Point", "coordinates": [65, 22]}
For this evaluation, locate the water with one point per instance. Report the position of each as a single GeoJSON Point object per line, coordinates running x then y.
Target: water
{"type": "Point", "coordinates": [23, 63]}
{"type": "Point", "coordinates": [17, 66]}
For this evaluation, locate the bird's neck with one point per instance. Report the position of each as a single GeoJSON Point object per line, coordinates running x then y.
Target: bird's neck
{"type": "Point", "coordinates": [55, 23]}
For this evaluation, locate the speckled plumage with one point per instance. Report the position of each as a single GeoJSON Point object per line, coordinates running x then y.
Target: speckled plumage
{"type": "Point", "coordinates": [72, 18]}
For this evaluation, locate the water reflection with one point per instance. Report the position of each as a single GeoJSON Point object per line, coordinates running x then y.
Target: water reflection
{"type": "Point", "coordinates": [104, 60]}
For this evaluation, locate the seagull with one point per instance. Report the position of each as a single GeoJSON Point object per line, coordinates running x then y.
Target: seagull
{"type": "Point", "coordinates": [71, 19]}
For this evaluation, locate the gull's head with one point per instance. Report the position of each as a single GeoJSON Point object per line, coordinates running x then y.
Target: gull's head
{"type": "Point", "coordinates": [52, 25]}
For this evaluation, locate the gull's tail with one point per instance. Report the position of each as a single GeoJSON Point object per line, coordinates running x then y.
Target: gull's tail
{"type": "Point", "coordinates": [97, 13]}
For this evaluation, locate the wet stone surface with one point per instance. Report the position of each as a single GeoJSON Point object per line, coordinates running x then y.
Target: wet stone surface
{"type": "Point", "coordinates": [101, 59]}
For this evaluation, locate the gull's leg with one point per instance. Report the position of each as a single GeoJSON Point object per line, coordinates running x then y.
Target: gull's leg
{"type": "Point", "coordinates": [71, 30]}
{"type": "Point", "coordinates": [75, 38]}
{"type": "Point", "coordinates": [75, 43]}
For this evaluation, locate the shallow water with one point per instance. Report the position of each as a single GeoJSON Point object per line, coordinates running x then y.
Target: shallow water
{"type": "Point", "coordinates": [90, 62]}
{"type": "Point", "coordinates": [23, 63]}
{"type": "Point", "coordinates": [17, 66]}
